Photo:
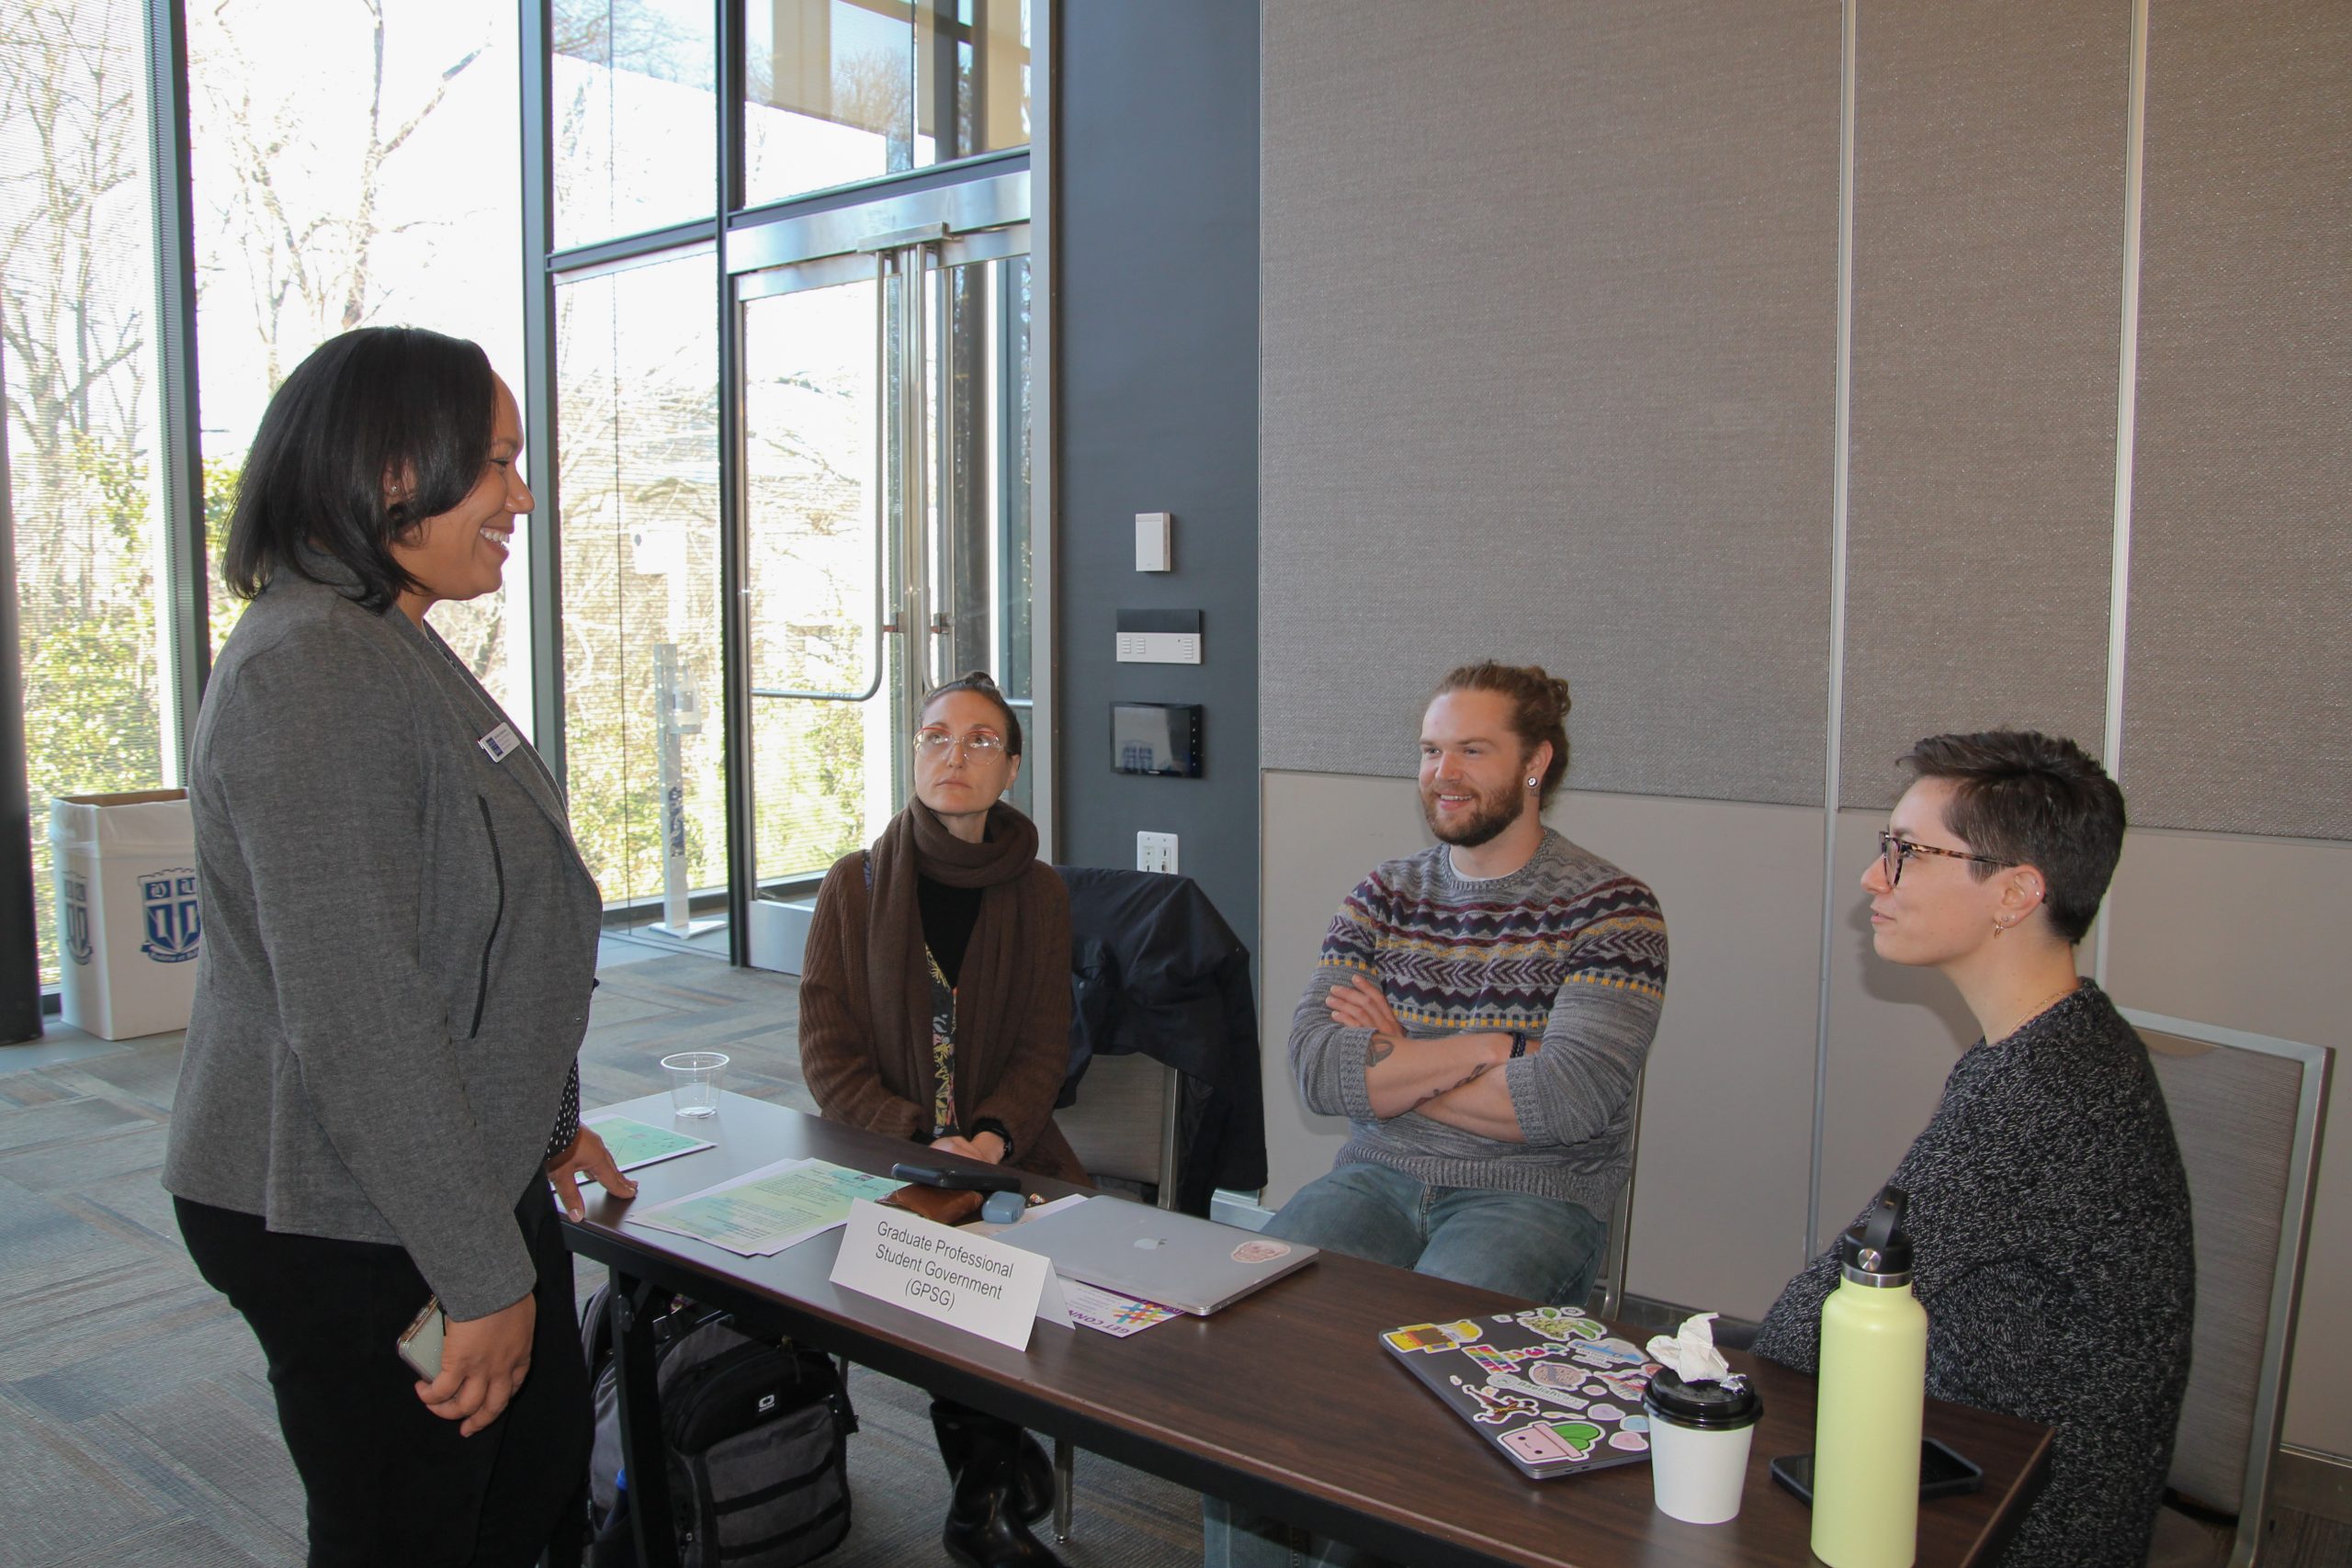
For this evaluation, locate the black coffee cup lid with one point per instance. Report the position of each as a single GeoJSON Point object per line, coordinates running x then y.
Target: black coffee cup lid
{"type": "Point", "coordinates": [1702, 1403]}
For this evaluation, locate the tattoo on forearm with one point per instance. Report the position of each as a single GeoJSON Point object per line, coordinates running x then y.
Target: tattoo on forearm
{"type": "Point", "coordinates": [1378, 1051]}
{"type": "Point", "coordinates": [1475, 1073]}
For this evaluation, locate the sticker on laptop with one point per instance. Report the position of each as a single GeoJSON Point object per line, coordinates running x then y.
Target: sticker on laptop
{"type": "Point", "coordinates": [1432, 1335]}
{"type": "Point", "coordinates": [1258, 1249]}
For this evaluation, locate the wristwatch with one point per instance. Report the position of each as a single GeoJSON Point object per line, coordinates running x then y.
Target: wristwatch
{"type": "Point", "coordinates": [991, 1124]}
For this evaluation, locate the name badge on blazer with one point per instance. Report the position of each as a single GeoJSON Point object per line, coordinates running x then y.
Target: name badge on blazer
{"type": "Point", "coordinates": [500, 743]}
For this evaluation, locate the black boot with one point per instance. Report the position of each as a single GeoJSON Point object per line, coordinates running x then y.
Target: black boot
{"type": "Point", "coordinates": [983, 1530]}
{"type": "Point", "coordinates": [1033, 1471]}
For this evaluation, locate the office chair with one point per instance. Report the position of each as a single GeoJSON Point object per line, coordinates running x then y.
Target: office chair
{"type": "Point", "coordinates": [1609, 1285]}
{"type": "Point", "coordinates": [2247, 1111]}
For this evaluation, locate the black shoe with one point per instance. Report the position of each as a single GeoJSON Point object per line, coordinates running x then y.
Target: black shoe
{"type": "Point", "coordinates": [1033, 1471]}
{"type": "Point", "coordinates": [983, 1533]}
{"type": "Point", "coordinates": [984, 1528]}
{"type": "Point", "coordinates": [1033, 1481]}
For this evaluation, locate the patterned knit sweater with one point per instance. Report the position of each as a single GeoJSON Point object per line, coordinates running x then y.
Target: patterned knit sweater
{"type": "Point", "coordinates": [2050, 1245]}
{"type": "Point", "coordinates": [1566, 947]}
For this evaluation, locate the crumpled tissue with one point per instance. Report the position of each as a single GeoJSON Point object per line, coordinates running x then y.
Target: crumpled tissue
{"type": "Point", "coordinates": [1691, 1353]}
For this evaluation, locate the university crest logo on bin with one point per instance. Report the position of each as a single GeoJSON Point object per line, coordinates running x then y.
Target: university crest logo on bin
{"type": "Point", "coordinates": [77, 918]}
{"type": "Point", "coordinates": [175, 929]}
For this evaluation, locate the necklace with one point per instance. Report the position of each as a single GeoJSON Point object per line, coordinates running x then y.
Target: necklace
{"type": "Point", "coordinates": [2042, 1006]}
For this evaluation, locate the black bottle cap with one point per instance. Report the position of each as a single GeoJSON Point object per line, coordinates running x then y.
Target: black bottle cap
{"type": "Point", "coordinates": [1877, 1251]}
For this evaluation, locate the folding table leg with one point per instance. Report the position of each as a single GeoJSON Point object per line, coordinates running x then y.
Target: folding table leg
{"type": "Point", "coordinates": [643, 1455]}
{"type": "Point", "coordinates": [1065, 1459]}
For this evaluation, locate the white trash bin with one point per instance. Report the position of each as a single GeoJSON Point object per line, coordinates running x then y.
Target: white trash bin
{"type": "Point", "coordinates": [126, 918]}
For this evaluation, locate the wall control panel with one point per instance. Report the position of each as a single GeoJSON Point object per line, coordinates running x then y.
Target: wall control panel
{"type": "Point", "coordinates": [1159, 637]}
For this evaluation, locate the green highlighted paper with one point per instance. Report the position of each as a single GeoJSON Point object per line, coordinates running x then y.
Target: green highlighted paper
{"type": "Point", "coordinates": [769, 1210]}
{"type": "Point", "coordinates": [634, 1144]}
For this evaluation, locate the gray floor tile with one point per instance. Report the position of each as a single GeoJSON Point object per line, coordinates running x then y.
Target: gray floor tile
{"type": "Point", "coordinates": [211, 1433]}
{"type": "Point", "coordinates": [111, 1353]}
{"type": "Point", "coordinates": [63, 1498]}
{"type": "Point", "coordinates": [61, 1122]}
{"type": "Point", "coordinates": [183, 1542]}
{"type": "Point", "coordinates": [135, 1145]}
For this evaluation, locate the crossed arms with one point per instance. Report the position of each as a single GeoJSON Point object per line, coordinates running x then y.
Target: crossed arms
{"type": "Point", "coordinates": [1352, 1054]}
{"type": "Point", "coordinates": [1449, 1079]}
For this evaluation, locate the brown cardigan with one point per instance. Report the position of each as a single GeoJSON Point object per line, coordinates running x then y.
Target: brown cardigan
{"type": "Point", "coordinates": [1014, 1078]}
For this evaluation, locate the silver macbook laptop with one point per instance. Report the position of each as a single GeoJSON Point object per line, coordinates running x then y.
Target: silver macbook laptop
{"type": "Point", "coordinates": [1192, 1265]}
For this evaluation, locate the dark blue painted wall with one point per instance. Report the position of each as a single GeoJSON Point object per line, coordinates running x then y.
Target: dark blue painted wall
{"type": "Point", "coordinates": [1156, 410]}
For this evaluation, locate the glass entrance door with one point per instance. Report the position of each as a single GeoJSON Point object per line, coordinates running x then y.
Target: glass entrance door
{"type": "Point", "coordinates": [885, 513]}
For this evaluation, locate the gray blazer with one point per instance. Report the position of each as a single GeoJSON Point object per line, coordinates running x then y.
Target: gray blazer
{"type": "Point", "coordinates": [398, 943]}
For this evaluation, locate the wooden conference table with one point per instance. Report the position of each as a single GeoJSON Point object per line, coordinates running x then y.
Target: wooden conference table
{"type": "Point", "coordinates": [1284, 1402]}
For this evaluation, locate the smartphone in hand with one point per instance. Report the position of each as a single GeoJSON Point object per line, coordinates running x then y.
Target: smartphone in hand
{"type": "Point", "coordinates": [420, 1342]}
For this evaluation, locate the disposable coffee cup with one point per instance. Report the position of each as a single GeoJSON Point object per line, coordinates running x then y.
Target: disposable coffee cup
{"type": "Point", "coordinates": [1698, 1437]}
{"type": "Point", "coordinates": [695, 1081]}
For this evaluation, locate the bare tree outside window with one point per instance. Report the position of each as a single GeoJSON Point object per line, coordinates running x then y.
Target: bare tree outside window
{"type": "Point", "coordinates": [355, 167]}
{"type": "Point", "coordinates": [76, 294]}
{"type": "Point", "coordinates": [353, 164]}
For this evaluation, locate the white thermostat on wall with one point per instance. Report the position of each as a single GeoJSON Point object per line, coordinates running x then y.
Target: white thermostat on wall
{"type": "Point", "coordinates": [1155, 548]}
{"type": "Point", "coordinates": [1159, 637]}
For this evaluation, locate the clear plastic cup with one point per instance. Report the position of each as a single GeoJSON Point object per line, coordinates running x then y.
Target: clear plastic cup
{"type": "Point", "coordinates": [694, 1078]}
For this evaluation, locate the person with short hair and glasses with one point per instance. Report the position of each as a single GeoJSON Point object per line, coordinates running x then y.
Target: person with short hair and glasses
{"type": "Point", "coordinates": [934, 1006]}
{"type": "Point", "coordinates": [2049, 1212]}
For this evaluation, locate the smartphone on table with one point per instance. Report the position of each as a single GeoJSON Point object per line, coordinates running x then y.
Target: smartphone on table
{"type": "Point", "coordinates": [1943, 1473]}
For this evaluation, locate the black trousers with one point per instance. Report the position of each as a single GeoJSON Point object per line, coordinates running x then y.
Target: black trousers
{"type": "Point", "coordinates": [388, 1482]}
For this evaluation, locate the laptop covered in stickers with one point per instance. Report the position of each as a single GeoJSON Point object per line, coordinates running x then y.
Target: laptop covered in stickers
{"type": "Point", "coordinates": [1550, 1388]}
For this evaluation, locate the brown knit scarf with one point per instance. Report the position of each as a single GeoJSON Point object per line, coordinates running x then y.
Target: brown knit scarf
{"type": "Point", "coordinates": [899, 994]}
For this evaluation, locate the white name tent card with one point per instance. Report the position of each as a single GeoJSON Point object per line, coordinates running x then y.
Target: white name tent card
{"type": "Point", "coordinates": [950, 1276]}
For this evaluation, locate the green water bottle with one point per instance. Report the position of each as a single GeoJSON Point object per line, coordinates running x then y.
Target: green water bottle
{"type": "Point", "coordinates": [1873, 1392]}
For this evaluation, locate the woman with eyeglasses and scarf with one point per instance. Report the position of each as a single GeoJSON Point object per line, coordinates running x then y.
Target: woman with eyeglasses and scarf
{"type": "Point", "coordinates": [934, 1006]}
{"type": "Point", "coordinates": [2049, 1214]}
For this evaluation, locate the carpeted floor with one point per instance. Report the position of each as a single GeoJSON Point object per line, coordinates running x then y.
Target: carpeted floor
{"type": "Point", "coordinates": [136, 1426]}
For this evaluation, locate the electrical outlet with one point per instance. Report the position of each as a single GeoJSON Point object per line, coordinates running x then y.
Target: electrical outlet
{"type": "Point", "coordinates": [1156, 851]}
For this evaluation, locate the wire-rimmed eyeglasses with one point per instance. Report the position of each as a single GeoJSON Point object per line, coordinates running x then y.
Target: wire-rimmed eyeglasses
{"type": "Point", "coordinates": [1893, 849]}
{"type": "Point", "coordinates": [979, 744]}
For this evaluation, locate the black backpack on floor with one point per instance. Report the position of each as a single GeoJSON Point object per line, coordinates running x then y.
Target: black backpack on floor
{"type": "Point", "coordinates": [756, 1434]}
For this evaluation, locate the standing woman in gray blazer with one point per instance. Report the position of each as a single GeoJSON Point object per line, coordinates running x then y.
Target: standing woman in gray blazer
{"type": "Point", "coordinates": [380, 1078]}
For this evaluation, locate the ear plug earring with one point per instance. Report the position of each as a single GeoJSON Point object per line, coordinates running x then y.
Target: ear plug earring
{"type": "Point", "coordinates": [1532, 782]}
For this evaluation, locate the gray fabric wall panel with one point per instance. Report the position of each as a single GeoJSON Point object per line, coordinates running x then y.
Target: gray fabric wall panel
{"type": "Point", "coordinates": [2238, 675]}
{"type": "Point", "coordinates": [1987, 297]}
{"type": "Point", "coordinates": [1552, 384]}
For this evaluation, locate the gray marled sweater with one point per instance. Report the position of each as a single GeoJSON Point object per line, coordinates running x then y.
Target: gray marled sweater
{"type": "Point", "coordinates": [2051, 1233]}
{"type": "Point", "coordinates": [1568, 947]}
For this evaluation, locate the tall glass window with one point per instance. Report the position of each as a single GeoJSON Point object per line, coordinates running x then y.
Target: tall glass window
{"type": "Point", "coordinates": [354, 165]}
{"type": "Point", "coordinates": [77, 285]}
{"type": "Point", "coordinates": [634, 117]}
{"type": "Point", "coordinates": [638, 390]}
{"type": "Point", "coordinates": [840, 91]}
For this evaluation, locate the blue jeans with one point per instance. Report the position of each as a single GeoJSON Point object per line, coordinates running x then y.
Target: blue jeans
{"type": "Point", "coordinates": [1544, 1248]}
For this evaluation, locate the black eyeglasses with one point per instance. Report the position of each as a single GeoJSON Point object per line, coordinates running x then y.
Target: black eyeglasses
{"type": "Point", "coordinates": [1893, 851]}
